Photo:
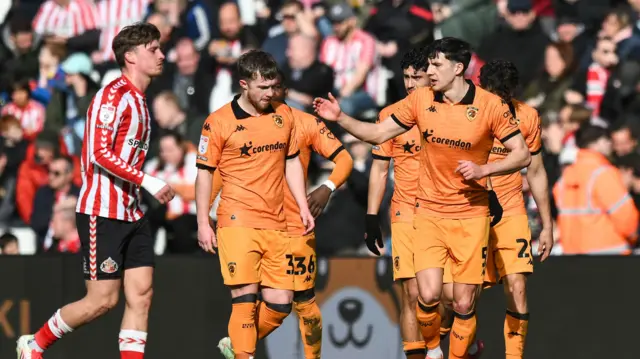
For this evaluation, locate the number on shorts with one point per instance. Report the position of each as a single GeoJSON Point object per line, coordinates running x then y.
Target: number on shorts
{"type": "Point", "coordinates": [300, 268]}
{"type": "Point", "coordinates": [523, 251]}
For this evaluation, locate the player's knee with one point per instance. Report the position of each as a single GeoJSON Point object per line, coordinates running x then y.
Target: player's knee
{"type": "Point", "coordinates": [429, 296]}
{"type": "Point", "coordinates": [463, 305]}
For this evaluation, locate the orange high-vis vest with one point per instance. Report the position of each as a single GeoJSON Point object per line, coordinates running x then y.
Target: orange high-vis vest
{"type": "Point", "coordinates": [596, 214]}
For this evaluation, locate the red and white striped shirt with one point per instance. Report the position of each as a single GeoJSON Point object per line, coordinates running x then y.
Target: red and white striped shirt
{"type": "Point", "coordinates": [113, 16]}
{"type": "Point", "coordinates": [114, 148]}
{"type": "Point", "coordinates": [66, 21]}
{"type": "Point", "coordinates": [597, 78]}
{"type": "Point", "coordinates": [343, 57]}
{"type": "Point", "coordinates": [185, 175]}
{"type": "Point", "coordinates": [31, 117]}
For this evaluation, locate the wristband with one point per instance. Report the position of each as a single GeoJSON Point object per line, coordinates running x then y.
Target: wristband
{"type": "Point", "coordinates": [330, 185]}
{"type": "Point", "coordinates": [151, 184]}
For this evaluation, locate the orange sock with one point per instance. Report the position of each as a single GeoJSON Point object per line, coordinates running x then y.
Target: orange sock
{"type": "Point", "coordinates": [463, 333]}
{"type": "Point", "coordinates": [515, 333]}
{"type": "Point", "coordinates": [270, 316]}
{"type": "Point", "coordinates": [242, 328]}
{"type": "Point", "coordinates": [310, 323]}
{"type": "Point", "coordinates": [414, 350]}
{"type": "Point", "coordinates": [429, 321]}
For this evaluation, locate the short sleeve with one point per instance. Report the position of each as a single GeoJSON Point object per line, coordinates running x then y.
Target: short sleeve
{"type": "Point", "coordinates": [323, 141]}
{"type": "Point", "coordinates": [503, 125]}
{"type": "Point", "coordinates": [534, 137]}
{"type": "Point", "coordinates": [211, 143]}
{"type": "Point", "coordinates": [405, 114]}
{"type": "Point", "coordinates": [293, 150]}
{"type": "Point", "coordinates": [383, 151]}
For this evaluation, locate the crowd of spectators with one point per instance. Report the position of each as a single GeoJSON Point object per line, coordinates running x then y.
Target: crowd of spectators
{"type": "Point", "coordinates": [579, 64]}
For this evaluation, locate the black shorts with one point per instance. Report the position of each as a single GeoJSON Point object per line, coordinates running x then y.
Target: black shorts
{"type": "Point", "coordinates": [110, 246]}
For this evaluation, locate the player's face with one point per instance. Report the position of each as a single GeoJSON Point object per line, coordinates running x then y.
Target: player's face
{"type": "Point", "coordinates": [441, 72]}
{"type": "Point", "coordinates": [149, 59]}
{"type": "Point", "coordinates": [260, 91]}
{"type": "Point", "coordinates": [414, 79]}
{"type": "Point", "coordinates": [279, 91]}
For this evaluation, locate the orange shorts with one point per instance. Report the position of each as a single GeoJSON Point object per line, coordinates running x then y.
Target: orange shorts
{"type": "Point", "coordinates": [302, 261]}
{"type": "Point", "coordinates": [463, 241]}
{"type": "Point", "coordinates": [510, 247]}
{"type": "Point", "coordinates": [402, 236]}
{"type": "Point", "coordinates": [250, 255]}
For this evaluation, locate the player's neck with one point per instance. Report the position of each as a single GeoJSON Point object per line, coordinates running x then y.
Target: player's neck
{"type": "Point", "coordinates": [456, 91]}
{"type": "Point", "coordinates": [247, 106]}
{"type": "Point", "coordinates": [140, 81]}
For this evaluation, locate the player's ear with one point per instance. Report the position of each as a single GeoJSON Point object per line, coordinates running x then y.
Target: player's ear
{"type": "Point", "coordinates": [244, 84]}
{"type": "Point", "coordinates": [459, 68]}
{"type": "Point", "coordinates": [130, 56]}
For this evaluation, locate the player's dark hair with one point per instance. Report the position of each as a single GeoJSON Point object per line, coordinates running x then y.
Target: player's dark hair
{"type": "Point", "coordinates": [500, 77]}
{"type": "Point", "coordinates": [257, 63]}
{"type": "Point", "coordinates": [19, 24]}
{"type": "Point", "coordinates": [132, 36]}
{"type": "Point", "coordinates": [589, 134]}
{"type": "Point", "coordinates": [416, 58]}
{"type": "Point", "coordinates": [453, 49]}
{"type": "Point", "coordinates": [7, 238]}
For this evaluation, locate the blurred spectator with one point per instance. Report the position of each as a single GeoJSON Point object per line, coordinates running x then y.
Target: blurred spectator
{"type": "Point", "coordinates": [12, 152]}
{"type": "Point", "coordinates": [60, 20]}
{"type": "Point", "coordinates": [170, 116]}
{"type": "Point", "coordinates": [28, 111]}
{"type": "Point", "coordinates": [352, 54]}
{"type": "Point", "coordinates": [294, 20]}
{"type": "Point", "coordinates": [18, 51]}
{"type": "Point", "coordinates": [58, 188]}
{"type": "Point", "coordinates": [629, 166]}
{"type": "Point", "coordinates": [596, 214]}
{"type": "Point", "coordinates": [546, 93]}
{"type": "Point", "coordinates": [190, 78]}
{"type": "Point", "coordinates": [471, 20]}
{"type": "Point", "coordinates": [50, 75]}
{"type": "Point", "coordinates": [168, 35]}
{"type": "Point", "coordinates": [597, 76]}
{"type": "Point", "coordinates": [196, 22]}
{"type": "Point", "coordinates": [306, 77]}
{"type": "Point", "coordinates": [624, 136]}
{"type": "Point", "coordinates": [33, 172]}
{"type": "Point", "coordinates": [176, 165]}
{"type": "Point", "coordinates": [618, 25]}
{"type": "Point", "coordinates": [67, 110]}
{"type": "Point", "coordinates": [9, 244]}
{"type": "Point", "coordinates": [236, 39]}
{"type": "Point", "coordinates": [63, 226]}
{"type": "Point", "coordinates": [520, 40]}
{"type": "Point", "coordinates": [569, 30]}
{"type": "Point", "coordinates": [399, 25]}
{"type": "Point", "coordinates": [571, 118]}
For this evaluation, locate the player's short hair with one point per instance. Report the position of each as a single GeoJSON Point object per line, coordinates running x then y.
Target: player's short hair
{"type": "Point", "coordinates": [588, 134]}
{"type": "Point", "coordinates": [19, 24]}
{"type": "Point", "coordinates": [257, 63]}
{"type": "Point", "coordinates": [453, 49]}
{"type": "Point", "coordinates": [132, 36]}
{"type": "Point", "coordinates": [416, 58]}
{"type": "Point", "coordinates": [500, 77]}
{"type": "Point", "coordinates": [7, 238]}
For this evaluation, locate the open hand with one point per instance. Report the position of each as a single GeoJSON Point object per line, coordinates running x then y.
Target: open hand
{"type": "Point", "coordinates": [207, 239]}
{"type": "Point", "coordinates": [329, 109]}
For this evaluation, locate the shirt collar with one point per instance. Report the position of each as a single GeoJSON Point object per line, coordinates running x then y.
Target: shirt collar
{"type": "Point", "coordinates": [241, 114]}
{"type": "Point", "coordinates": [466, 100]}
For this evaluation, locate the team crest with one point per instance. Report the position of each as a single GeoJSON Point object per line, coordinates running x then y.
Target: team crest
{"type": "Point", "coordinates": [396, 263]}
{"type": "Point", "coordinates": [107, 113]}
{"type": "Point", "coordinates": [471, 113]}
{"type": "Point", "coordinates": [232, 268]}
{"type": "Point", "coordinates": [109, 266]}
{"type": "Point", "coordinates": [277, 119]}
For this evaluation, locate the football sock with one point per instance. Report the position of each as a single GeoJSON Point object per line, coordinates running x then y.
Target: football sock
{"type": "Point", "coordinates": [463, 333]}
{"type": "Point", "coordinates": [50, 332]}
{"type": "Point", "coordinates": [310, 323]}
{"type": "Point", "coordinates": [270, 316]}
{"type": "Point", "coordinates": [242, 325]}
{"type": "Point", "coordinates": [429, 321]}
{"type": "Point", "coordinates": [132, 343]}
{"type": "Point", "coordinates": [515, 333]}
{"type": "Point", "coordinates": [444, 332]}
{"type": "Point", "coordinates": [414, 350]}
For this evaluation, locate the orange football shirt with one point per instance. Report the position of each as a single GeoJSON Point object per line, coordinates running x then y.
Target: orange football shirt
{"type": "Point", "coordinates": [508, 188]}
{"type": "Point", "coordinates": [250, 153]}
{"type": "Point", "coordinates": [404, 150]}
{"type": "Point", "coordinates": [312, 135]}
{"type": "Point", "coordinates": [450, 133]}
